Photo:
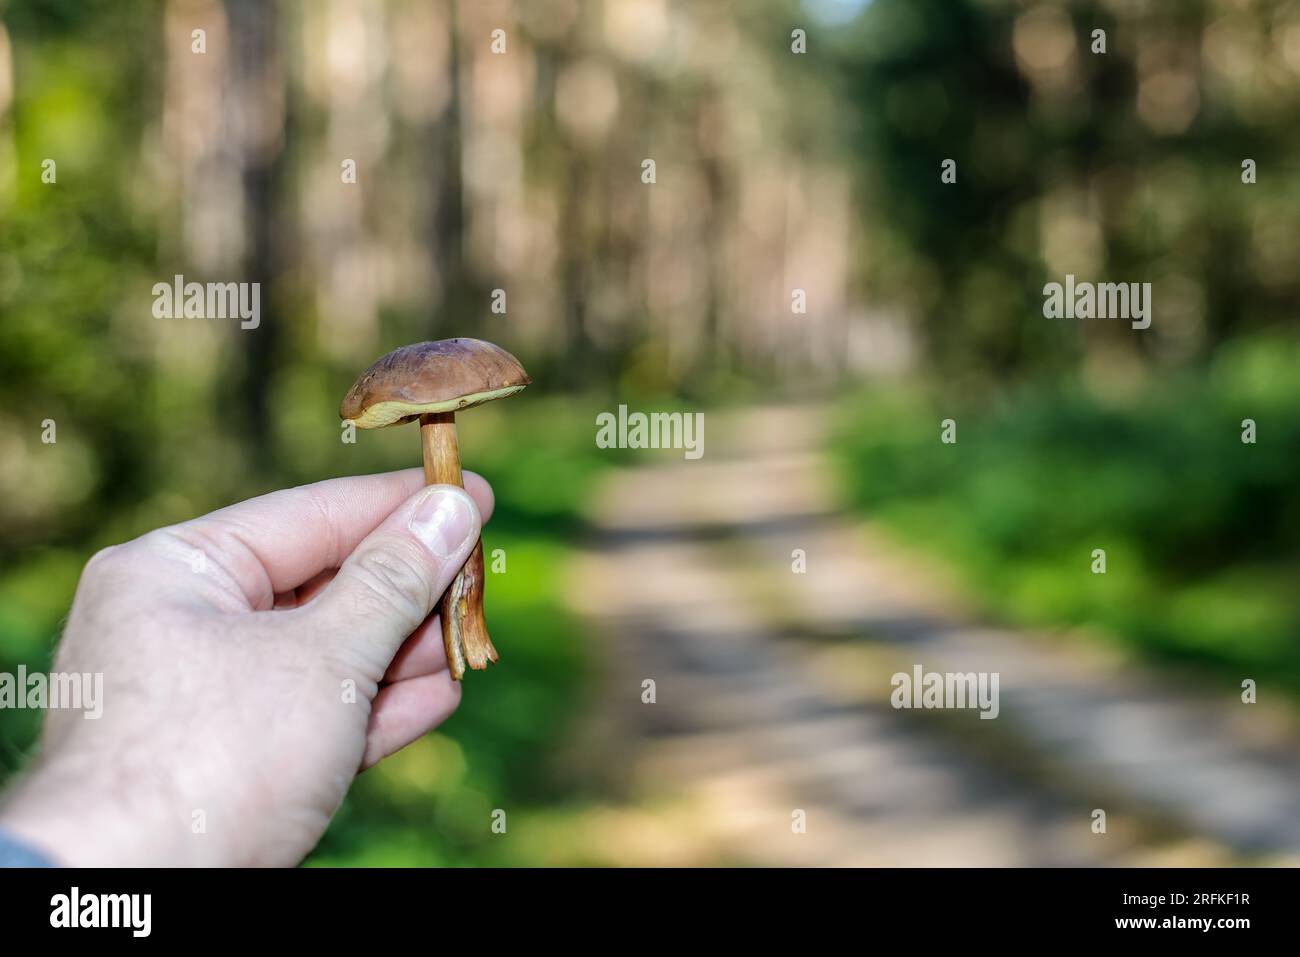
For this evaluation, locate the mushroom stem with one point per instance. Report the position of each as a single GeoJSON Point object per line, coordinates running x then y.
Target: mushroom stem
{"type": "Point", "coordinates": [464, 630]}
{"type": "Point", "coordinates": [441, 450]}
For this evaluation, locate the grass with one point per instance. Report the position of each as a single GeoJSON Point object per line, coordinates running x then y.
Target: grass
{"type": "Point", "coordinates": [1201, 531]}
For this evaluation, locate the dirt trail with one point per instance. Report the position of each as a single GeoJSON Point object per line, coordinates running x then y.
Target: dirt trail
{"type": "Point", "coordinates": [772, 691]}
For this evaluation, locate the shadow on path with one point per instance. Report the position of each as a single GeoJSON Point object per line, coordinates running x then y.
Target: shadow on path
{"type": "Point", "coordinates": [772, 691]}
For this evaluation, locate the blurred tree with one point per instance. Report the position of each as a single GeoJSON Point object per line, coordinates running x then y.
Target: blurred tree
{"type": "Point", "coordinates": [257, 117]}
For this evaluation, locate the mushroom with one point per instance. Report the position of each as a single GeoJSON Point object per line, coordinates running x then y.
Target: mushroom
{"type": "Point", "coordinates": [432, 381]}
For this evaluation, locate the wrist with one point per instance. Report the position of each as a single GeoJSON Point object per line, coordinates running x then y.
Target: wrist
{"type": "Point", "coordinates": [76, 821]}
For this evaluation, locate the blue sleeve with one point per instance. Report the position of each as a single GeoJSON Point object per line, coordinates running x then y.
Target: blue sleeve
{"type": "Point", "coordinates": [14, 853]}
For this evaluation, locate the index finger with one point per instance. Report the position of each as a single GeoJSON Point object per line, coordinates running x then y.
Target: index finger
{"type": "Point", "coordinates": [275, 542]}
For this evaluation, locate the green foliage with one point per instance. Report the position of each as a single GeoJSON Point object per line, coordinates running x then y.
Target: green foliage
{"type": "Point", "coordinates": [1199, 528]}
{"type": "Point", "coordinates": [71, 253]}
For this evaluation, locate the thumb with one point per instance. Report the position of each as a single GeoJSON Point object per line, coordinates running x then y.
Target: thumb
{"type": "Point", "coordinates": [394, 578]}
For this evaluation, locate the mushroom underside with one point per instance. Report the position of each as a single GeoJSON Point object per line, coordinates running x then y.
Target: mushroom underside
{"type": "Point", "coordinates": [392, 412]}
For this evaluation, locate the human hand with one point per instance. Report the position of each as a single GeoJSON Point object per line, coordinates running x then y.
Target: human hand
{"type": "Point", "coordinates": [227, 645]}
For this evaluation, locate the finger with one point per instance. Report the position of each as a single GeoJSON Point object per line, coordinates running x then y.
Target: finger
{"type": "Point", "coordinates": [481, 492]}
{"type": "Point", "coordinates": [478, 489]}
{"type": "Point", "coordinates": [423, 653]}
{"type": "Point", "coordinates": [297, 597]}
{"type": "Point", "coordinates": [274, 543]}
{"type": "Point", "coordinates": [389, 584]}
{"type": "Point", "coordinates": [406, 710]}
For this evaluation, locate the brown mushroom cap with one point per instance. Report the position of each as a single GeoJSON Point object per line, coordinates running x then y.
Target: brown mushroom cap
{"type": "Point", "coordinates": [443, 376]}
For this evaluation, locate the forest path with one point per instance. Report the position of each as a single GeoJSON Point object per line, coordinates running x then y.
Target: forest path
{"type": "Point", "coordinates": [773, 691]}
